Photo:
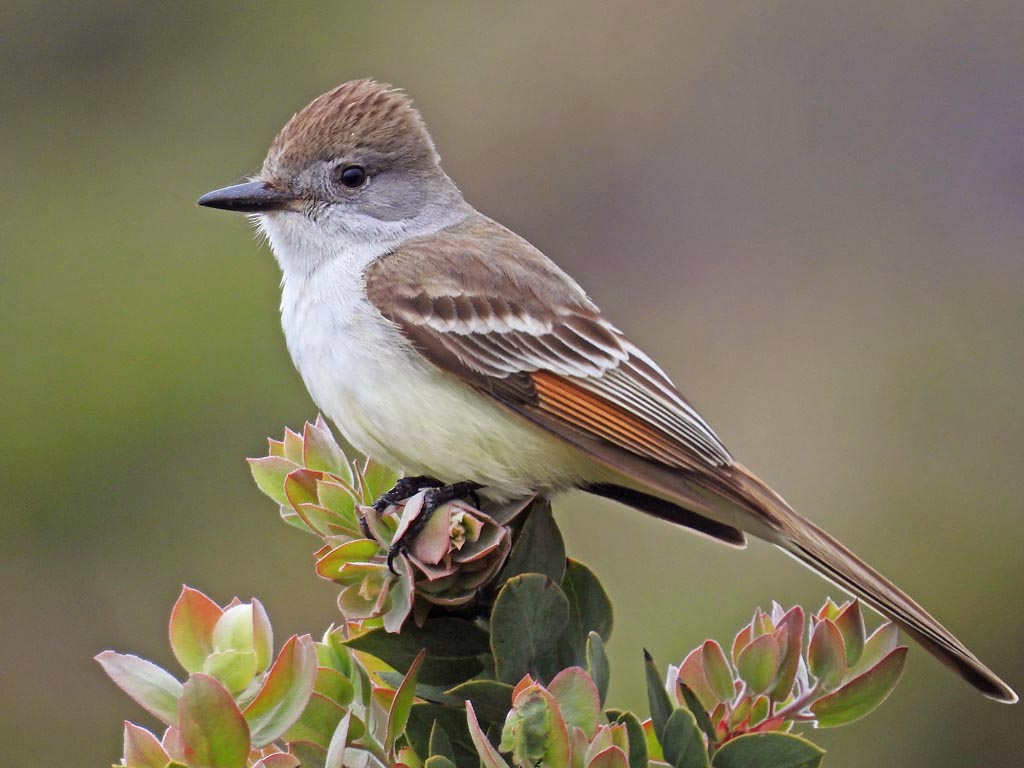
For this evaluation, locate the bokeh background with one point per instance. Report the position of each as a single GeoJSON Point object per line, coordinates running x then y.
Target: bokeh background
{"type": "Point", "coordinates": [811, 213]}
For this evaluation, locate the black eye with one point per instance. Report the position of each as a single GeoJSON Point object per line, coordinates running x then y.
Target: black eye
{"type": "Point", "coordinates": [352, 176]}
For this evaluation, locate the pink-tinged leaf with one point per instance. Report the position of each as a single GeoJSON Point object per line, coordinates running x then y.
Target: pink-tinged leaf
{"type": "Point", "coordinates": [433, 542]}
{"type": "Point", "coordinates": [173, 745]}
{"type": "Point", "coordinates": [577, 699]}
{"type": "Point", "coordinates": [270, 472]}
{"type": "Point", "coordinates": [759, 663]}
{"type": "Point", "coordinates": [336, 749]}
{"type": "Point", "coordinates": [789, 633]}
{"type": "Point", "coordinates": [263, 635]}
{"type": "Point", "coordinates": [613, 757]}
{"type": "Point", "coordinates": [740, 711]}
{"type": "Point", "coordinates": [759, 710]}
{"type": "Point", "coordinates": [142, 749]}
{"type": "Point", "coordinates": [321, 452]}
{"type": "Point", "coordinates": [882, 642]}
{"type": "Point", "coordinates": [356, 551]}
{"type": "Point", "coordinates": [762, 624]}
{"type": "Point", "coordinates": [316, 518]}
{"type": "Point", "coordinates": [522, 685]}
{"type": "Point", "coordinates": [717, 671]}
{"type": "Point", "coordinates": [213, 731]}
{"type": "Point", "coordinates": [741, 641]}
{"type": "Point", "coordinates": [862, 694]}
{"type": "Point", "coordinates": [279, 760]}
{"type": "Point", "coordinates": [275, 447]}
{"type": "Point", "coordinates": [285, 691]}
{"type": "Point", "coordinates": [489, 756]}
{"type": "Point", "coordinates": [829, 610]}
{"type": "Point", "coordinates": [293, 445]}
{"type": "Point", "coordinates": [401, 705]}
{"type": "Point", "coordinates": [191, 628]}
{"type": "Point", "coordinates": [826, 656]}
{"type": "Point", "coordinates": [300, 487]}
{"type": "Point", "coordinates": [691, 673]}
{"type": "Point", "coordinates": [850, 624]}
{"type": "Point", "coordinates": [152, 688]}
{"type": "Point", "coordinates": [535, 729]}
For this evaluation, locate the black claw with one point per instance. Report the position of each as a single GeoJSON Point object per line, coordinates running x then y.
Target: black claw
{"type": "Point", "coordinates": [404, 488]}
{"type": "Point", "coordinates": [434, 498]}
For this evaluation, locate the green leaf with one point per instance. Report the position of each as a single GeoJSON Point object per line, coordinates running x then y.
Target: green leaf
{"type": "Point", "coordinates": [489, 756]}
{"type": "Point", "coordinates": [850, 624]}
{"type": "Point", "coordinates": [452, 720]}
{"type": "Point", "coordinates": [152, 687]}
{"type": "Point", "coordinates": [862, 694]}
{"type": "Point", "coordinates": [270, 472]}
{"type": "Point", "coordinates": [440, 744]}
{"type": "Point", "coordinates": [142, 749]}
{"type": "Point", "coordinates": [637, 742]}
{"type": "Point", "coordinates": [657, 697]}
{"type": "Point", "coordinates": [213, 731]}
{"type": "Point", "coordinates": [612, 757]}
{"type": "Point", "coordinates": [234, 669]}
{"type": "Point", "coordinates": [597, 664]}
{"type": "Point", "coordinates": [717, 670]}
{"type": "Point", "coordinates": [577, 699]}
{"type": "Point", "coordinates": [700, 714]}
{"type": "Point", "coordinates": [825, 655]}
{"type": "Point", "coordinates": [321, 452]}
{"type": "Point", "coordinates": [319, 721]}
{"type": "Point", "coordinates": [491, 700]}
{"type": "Point", "coordinates": [310, 755]}
{"type": "Point", "coordinates": [539, 547]}
{"type": "Point", "coordinates": [758, 663]}
{"type": "Point", "coordinates": [339, 740]}
{"type": "Point", "coordinates": [768, 750]}
{"type": "Point", "coordinates": [591, 609]}
{"type": "Point", "coordinates": [528, 617]}
{"type": "Point", "coordinates": [191, 628]}
{"type": "Point", "coordinates": [401, 704]}
{"type": "Point", "coordinates": [285, 691]}
{"type": "Point", "coordinates": [453, 647]}
{"type": "Point", "coordinates": [882, 642]}
{"type": "Point", "coordinates": [682, 742]}
{"type": "Point", "coordinates": [334, 685]}
{"type": "Point", "coordinates": [377, 480]}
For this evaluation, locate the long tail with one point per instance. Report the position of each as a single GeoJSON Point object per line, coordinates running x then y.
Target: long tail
{"type": "Point", "coordinates": [817, 549]}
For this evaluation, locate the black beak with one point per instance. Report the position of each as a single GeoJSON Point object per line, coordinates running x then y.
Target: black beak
{"type": "Point", "coordinates": [251, 197]}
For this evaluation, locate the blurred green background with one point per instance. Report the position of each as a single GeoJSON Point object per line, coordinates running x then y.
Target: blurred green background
{"type": "Point", "coordinates": [811, 213]}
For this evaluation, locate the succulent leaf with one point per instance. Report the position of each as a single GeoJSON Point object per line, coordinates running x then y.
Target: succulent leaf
{"type": "Point", "coordinates": [193, 618]}
{"type": "Point", "coordinates": [213, 730]}
{"type": "Point", "coordinates": [152, 687]}
{"type": "Point", "coordinates": [862, 694]}
{"type": "Point", "coordinates": [758, 750]}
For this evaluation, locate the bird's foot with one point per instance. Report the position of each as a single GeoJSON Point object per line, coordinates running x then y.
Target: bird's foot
{"type": "Point", "coordinates": [404, 488]}
{"type": "Point", "coordinates": [433, 499]}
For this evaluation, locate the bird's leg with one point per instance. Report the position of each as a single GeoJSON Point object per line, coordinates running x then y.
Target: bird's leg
{"type": "Point", "coordinates": [404, 488]}
{"type": "Point", "coordinates": [433, 499]}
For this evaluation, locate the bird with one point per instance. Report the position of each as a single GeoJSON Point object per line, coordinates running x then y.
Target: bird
{"type": "Point", "coordinates": [449, 347]}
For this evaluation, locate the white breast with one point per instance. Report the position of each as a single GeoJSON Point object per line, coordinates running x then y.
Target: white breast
{"type": "Point", "coordinates": [389, 401]}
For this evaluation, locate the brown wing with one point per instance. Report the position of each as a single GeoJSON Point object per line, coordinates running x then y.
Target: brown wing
{"type": "Point", "coordinates": [493, 311]}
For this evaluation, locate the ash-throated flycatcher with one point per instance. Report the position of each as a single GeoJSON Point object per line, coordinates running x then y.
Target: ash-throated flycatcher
{"type": "Point", "coordinates": [445, 345]}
